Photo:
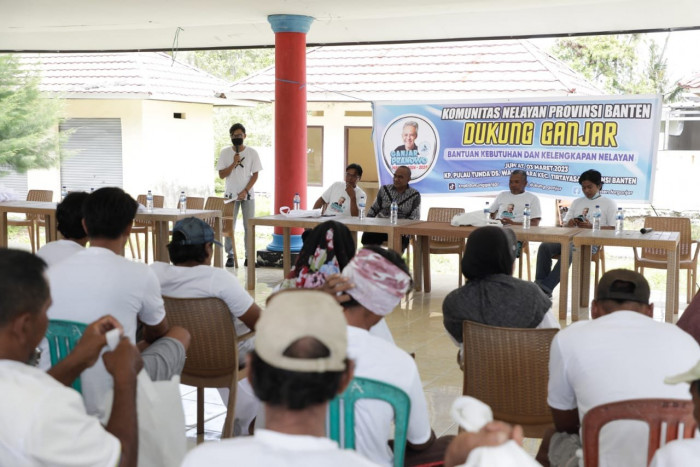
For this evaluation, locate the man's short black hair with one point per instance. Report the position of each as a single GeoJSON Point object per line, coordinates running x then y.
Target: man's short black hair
{"type": "Point", "coordinates": [592, 176]}
{"type": "Point", "coordinates": [108, 212]}
{"type": "Point", "coordinates": [404, 167]}
{"type": "Point", "coordinates": [23, 287]}
{"type": "Point", "coordinates": [237, 126]}
{"type": "Point", "coordinates": [357, 167]}
{"type": "Point", "coordinates": [183, 253]}
{"type": "Point", "coordinates": [294, 390]}
{"type": "Point", "coordinates": [69, 215]}
{"type": "Point", "coordinates": [520, 172]}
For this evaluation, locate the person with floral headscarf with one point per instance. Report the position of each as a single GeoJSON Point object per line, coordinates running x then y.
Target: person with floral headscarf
{"type": "Point", "coordinates": [326, 251]}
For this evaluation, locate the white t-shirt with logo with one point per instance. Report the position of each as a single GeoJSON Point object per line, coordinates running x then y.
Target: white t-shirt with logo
{"type": "Point", "coordinates": [510, 206]}
{"type": "Point", "coordinates": [338, 199]}
{"type": "Point", "coordinates": [240, 176]}
{"type": "Point", "coordinates": [585, 207]}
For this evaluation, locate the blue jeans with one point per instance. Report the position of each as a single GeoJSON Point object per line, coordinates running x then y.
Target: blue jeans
{"type": "Point", "coordinates": [546, 276]}
{"type": "Point", "coordinates": [247, 208]}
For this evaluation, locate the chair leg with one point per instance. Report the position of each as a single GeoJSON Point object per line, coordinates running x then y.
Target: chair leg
{"type": "Point", "coordinates": [145, 245]}
{"type": "Point", "coordinates": [131, 247]}
{"type": "Point", "coordinates": [235, 253]}
{"type": "Point", "coordinates": [200, 410]}
{"type": "Point", "coordinates": [227, 432]}
{"type": "Point", "coordinates": [138, 245]}
{"type": "Point", "coordinates": [529, 269]}
{"type": "Point", "coordinates": [690, 285]}
{"type": "Point", "coordinates": [38, 237]}
{"type": "Point", "coordinates": [30, 231]}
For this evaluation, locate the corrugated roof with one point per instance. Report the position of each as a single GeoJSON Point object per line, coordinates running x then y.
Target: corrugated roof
{"type": "Point", "coordinates": [134, 75]}
{"type": "Point", "coordinates": [443, 70]}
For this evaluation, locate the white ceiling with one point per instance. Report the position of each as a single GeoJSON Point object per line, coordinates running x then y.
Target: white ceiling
{"type": "Point", "coordinates": [91, 25]}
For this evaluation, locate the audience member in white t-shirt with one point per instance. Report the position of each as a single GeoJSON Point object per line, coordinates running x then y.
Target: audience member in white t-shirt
{"type": "Point", "coordinates": [69, 220]}
{"type": "Point", "coordinates": [191, 276]}
{"type": "Point", "coordinates": [99, 280]}
{"type": "Point", "coordinates": [682, 452]}
{"type": "Point", "coordinates": [44, 420]}
{"type": "Point", "coordinates": [342, 198]}
{"type": "Point", "coordinates": [299, 364]}
{"type": "Point", "coordinates": [622, 353]}
{"type": "Point", "coordinates": [580, 215]}
{"type": "Point", "coordinates": [381, 279]}
{"type": "Point", "coordinates": [509, 205]}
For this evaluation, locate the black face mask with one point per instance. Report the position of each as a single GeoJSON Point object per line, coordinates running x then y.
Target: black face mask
{"type": "Point", "coordinates": [237, 141]}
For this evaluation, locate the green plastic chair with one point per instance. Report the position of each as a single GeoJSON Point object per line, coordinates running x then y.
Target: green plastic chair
{"type": "Point", "coordinates": [62, 336]}
{"type": "Point", "coordinates": [363, 388]}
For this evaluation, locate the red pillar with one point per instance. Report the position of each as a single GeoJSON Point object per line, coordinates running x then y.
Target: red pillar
{"type": "Point", "coordinates": [290, 116]}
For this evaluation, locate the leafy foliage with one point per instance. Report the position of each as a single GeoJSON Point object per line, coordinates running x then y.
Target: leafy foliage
{"type": "Point", "coordinates": [29, 136]}
{"type": "Point", "coordinates": [620, 64]}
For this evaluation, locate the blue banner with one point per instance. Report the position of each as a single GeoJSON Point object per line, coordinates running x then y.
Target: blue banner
{"type": "Point", "coordinates": [471, 147]}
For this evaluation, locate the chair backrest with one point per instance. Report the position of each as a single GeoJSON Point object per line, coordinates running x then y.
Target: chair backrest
{"type": "Point", "coordinates": [669, 224]}
{"type": "Point", "coordinates": [444, 215]}
{"type": "Point", "coordinates": [364, 388]}
{"type": "Point", "coordinates": [508, 369]}
{"type": "Point", "coordinates": [39, 195]}
{"type": "Point", "coordinates": [158, 202]}
{"type": "Point", "coordinates": [62, 336]}
{"type": "Point", "coordinates": [215, 203]}
{"type": "Point", "coordinates": [193, 202]}
{"type": "Point", "coordinates": [655, 412]}
{"type": "Point", "coordinates": [213, 352]}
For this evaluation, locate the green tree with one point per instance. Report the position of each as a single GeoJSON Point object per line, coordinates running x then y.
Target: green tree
{"type": "Point", "coordinates": [29, 135]}
{"type": "Point", "coordinates": [619, 64]}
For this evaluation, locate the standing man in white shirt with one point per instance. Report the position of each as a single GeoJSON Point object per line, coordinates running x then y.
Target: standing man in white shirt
{"type": "Point", "coordinates": [509, 205]}
{"type": "Point", "coordinates": [239, 166]}
{"type": "Point", "coordinates": [342, 198]}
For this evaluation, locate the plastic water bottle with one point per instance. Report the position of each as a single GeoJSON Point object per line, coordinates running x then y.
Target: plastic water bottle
{"type": "Point", "coordinates": [64, 192]}
{"type": "Point", "coordinates": [526, 217]}
{"type": "Point", "coordinates": [149, 201]}
{"type": "Point", "coordinates": [183, 202]}
{"type": "Point", "coordinates": [619, 221]}
{"type": "Point", "coordinates": [297, 201]}
{"type": "Point", "coordinates": [394, 213]}
{"type": "Point", "coordinates": [596, 218]}
{"type": "Point", "coordinates": [361, 207]}
{"type": "Point", "coordinates": [487, 213]}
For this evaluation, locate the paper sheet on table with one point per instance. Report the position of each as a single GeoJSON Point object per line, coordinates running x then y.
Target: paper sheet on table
{"type": "Point", "coordinates": [299, 213]}
{"type": "Point", "coordinates": [475, 218]}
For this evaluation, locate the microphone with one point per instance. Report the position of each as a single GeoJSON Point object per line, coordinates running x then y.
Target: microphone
{"type": "Point", "coordinates": [646, 230]}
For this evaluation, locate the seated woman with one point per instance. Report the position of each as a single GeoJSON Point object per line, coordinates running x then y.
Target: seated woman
{"type": "Point", "coordinates": [327, 249]}
{"type": "Point", "coordinates": [492, 295]}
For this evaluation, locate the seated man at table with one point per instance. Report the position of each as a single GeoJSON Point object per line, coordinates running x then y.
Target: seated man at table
{"type": "Point", "coordinates": [342, 198]}
{"type": "Point", "coordinates": [99, 280]}
{"type": "Point", "coordinates": [580, 215]}
{"type": "Point", "coordinates": [191, 276]}
{"type": "Point", "coordinates": [622, 353]}
{"type": "Point", "coordinates": [509, 205]}
{"type": "Point", "coordinates": [407, 199]}
{"type": "Point", "coordinates": [69, 220]}
{"type": "Point", "coordinates": [45, 422]}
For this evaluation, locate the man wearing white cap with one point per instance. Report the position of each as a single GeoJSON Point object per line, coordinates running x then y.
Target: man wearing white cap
{"type": "Point", "coordinates": [622, 353]}
{"type": "Point", "coordinates": [299, 364]}
{"type": "Point", "coordinates": [682, 452]}
{"type": "Point", "coordinates": [381, 279]}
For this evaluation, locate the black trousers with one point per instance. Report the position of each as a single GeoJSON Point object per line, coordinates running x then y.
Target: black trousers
{"type": "Point", "coordinates": [374, 238]}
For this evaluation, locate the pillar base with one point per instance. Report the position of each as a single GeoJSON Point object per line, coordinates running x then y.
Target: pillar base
{"type": "Point", "coordinates": [278, 243]}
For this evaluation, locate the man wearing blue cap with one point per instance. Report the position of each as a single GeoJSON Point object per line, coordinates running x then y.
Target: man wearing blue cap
{"type": "Point", "coordinates": [191, 276]}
